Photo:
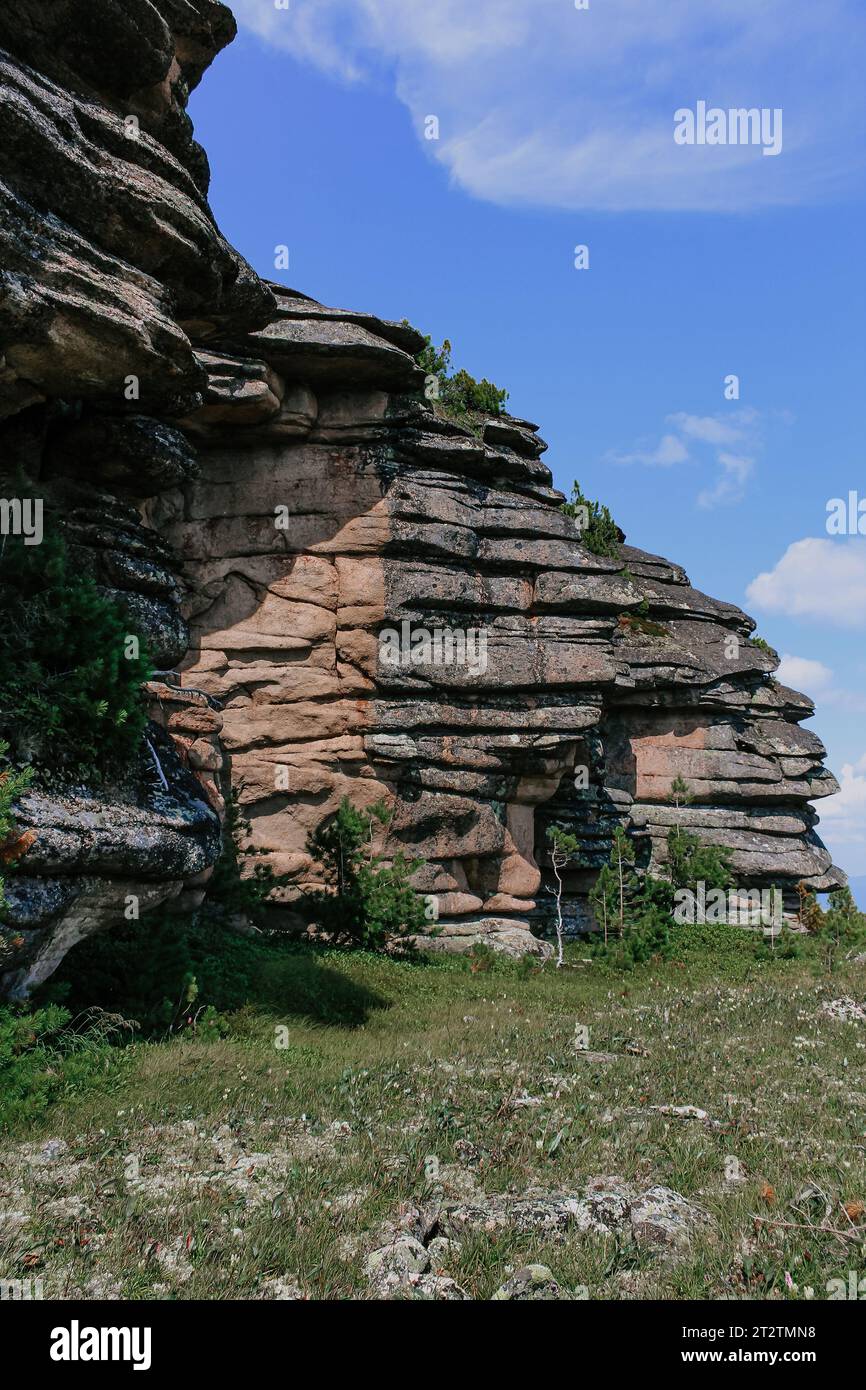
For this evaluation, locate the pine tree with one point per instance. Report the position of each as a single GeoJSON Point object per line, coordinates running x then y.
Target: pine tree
{"type": "Point", "coordinates": [691, 862]}
{"type": "Point", "coordinates": [598, 530]}
{"type": "Point", "coordinates": [633, 909]}
{"type": "Point", "coordinates": [617, 887]}
{"type": "Point", "coordinates": [70, 679]}
{"type": "Point", "coordinates": [602, 898]}
{"type": "Point", "coordinates": [809, 913]}
{"type": "Point", "coordinates": [367, 902]}
{"type": "Point", "coordinates": [680, 793]}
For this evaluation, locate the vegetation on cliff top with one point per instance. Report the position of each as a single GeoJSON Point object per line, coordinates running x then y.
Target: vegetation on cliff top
{"type": "Point", "coordinates": [763, 645]}
{"type": "Point", "coordinates": [639, 621]}
{"type": "Point", "coordinates": [458, 393]}
{"type": "Point", "coordinates": [598, 530]}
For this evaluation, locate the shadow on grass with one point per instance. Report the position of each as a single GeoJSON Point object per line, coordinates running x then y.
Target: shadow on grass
{"type": "Point", "coordinates": [163, 973]}
{"type": "Point", "coordinates": [296, 981]}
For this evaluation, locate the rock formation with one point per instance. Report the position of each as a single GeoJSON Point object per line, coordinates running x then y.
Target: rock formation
{"type": "Point", "coordinates": [364, 596]}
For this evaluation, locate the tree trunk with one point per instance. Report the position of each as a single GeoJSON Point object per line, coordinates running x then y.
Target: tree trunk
{"type": "Point", "coordinates": [559, 957]}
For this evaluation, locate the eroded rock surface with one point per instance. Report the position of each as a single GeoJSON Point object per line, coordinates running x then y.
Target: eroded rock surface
{"type": "Point", "coordinates": [112, 274]}
{"type": "Point", "coordinates": [382, 601]}
{"type": "Point", "coordinates": [305, 553]}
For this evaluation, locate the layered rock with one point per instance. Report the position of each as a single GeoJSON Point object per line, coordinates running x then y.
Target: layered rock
{"type": "Point", "coordinates": [282, 510]}
{"type": "Point", "coordinates": [111, 268]}
{"type": "Point", "coordinates": [351, 511]}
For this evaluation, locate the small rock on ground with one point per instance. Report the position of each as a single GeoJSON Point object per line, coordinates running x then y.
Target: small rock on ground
{"type": "Point", "coordinates": [532, 1283]}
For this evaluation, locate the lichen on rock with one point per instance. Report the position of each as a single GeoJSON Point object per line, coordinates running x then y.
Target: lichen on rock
{"type": "Point", "coordinates": [262, 482]}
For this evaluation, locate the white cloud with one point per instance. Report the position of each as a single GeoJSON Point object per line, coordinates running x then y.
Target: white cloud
{"type": "Point", "coordinates": [542, 104]}
{"type": "Point", "coordinates": [669, 450]}
{"type": "Point", "coordinates": [818, 681]}
{"type": "Point", "coordinates": [800, 673]}
{"type": "Point", "coordinates": [821, 579]}
{"type": "Point", "coordinates": [714, 429]}
{"type": "Point", "coordinates": [705, 436]}
{"type": "Point", "coordinates": [843, 819]}
{"type": "Point", "coordinates": [731, 485]}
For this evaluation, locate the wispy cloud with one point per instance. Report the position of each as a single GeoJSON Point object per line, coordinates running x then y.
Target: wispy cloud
{"type": "Point", "coordinates": [843, 818]}
{"type": "Point", "coordinates": [817, 680]}
{"type": "Point", "coordinates": [715, 429]}
{"type": "Point", "coordinates": [543, 104]}
{"type": "Point", "coordinates": [668, 451]}
{"type": "Point", "coordinates": [816, 578]}
{"type": "Point", "coordinates": [730, 487]}
{"type": "Point", "coordinates": [801, 673]}
{"type": "Point", "coordinates": [705, 438]}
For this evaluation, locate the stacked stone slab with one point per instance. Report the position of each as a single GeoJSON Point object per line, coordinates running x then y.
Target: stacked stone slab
{"type": "Point", "coordinates": [281, 498]}
{"type": "Point", "coordinates": [349, 505]}
{"type": "Point", "coordinates": [111, 270]}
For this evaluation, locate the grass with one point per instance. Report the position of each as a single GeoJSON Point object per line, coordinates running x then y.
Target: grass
{"type": "Point", "coordinates": [225, 1167]}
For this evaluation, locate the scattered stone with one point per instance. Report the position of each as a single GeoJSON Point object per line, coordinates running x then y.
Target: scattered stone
{"type": "Point", "coordinates": [350, 1201]}
{"type": "Point", "coordinates": [174, 1259]}
{"type": "Point", "coordinates": [441, 1250]}
{"type": "Point", "coordinates": [53, 1149]}
{"type": "Point", "coordinates": [394, 1265]}
{"type": "Point", "coordinates": [846, 1010]}
{"type": "Point", "coordinates": [530, 1284]}
{"type": "Point", "coordinates": [467, 1152]}
{"type": "Point", "coordinates": [658, 1218]}
{"type": "Point", "coordinates": [681, 1112]}
{"type": "Point", "coordinates": [429, 1287]}
{"type": "Point", "coordinates": [814, 1201]}
{"type": "Point", "coordinates": [525, 1101]}
{"type": "Point", "coordinates": [601, 1213]}
{"type": "Point", "coordinates": [665, 1221]}
{"type": "Point", "coordinates": [284, 1290]}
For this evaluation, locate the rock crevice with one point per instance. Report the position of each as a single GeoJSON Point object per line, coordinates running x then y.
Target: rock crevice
{"type": "Point", "coordinates": [383, 601]}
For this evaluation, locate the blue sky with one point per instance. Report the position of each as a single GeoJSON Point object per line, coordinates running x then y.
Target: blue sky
{"type": "Point", "coordinates": [556, 130]}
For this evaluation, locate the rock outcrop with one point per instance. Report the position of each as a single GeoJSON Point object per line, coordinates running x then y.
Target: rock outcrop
{"type": "Point", "coordinates": [382, 601]}
{"type": "Point", "coordinates": [111, 268]}
{"type": "Point", "coordinates": [412, 1252]}
{"type": "Point", "coordinates": [557, 686]}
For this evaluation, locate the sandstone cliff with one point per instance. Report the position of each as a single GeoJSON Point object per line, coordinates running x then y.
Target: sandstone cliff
{"type": "Point", "coordinates": [263, 483]}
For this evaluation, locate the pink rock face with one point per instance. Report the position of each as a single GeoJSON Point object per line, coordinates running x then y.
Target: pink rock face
{"type": "Point", "coordinates": [371, 598]}
{"type": "Point", "coordinates": [391, 606]}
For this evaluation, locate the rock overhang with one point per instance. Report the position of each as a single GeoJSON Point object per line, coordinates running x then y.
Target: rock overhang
{"type": "Point", "coordinates": [254, 400]}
